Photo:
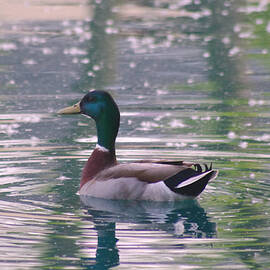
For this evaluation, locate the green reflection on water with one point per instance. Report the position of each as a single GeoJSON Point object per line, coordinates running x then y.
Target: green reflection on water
{"type": "Point", "coordinates": [99, 72]}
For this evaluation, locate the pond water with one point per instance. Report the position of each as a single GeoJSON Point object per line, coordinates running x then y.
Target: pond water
{"type": "Point", "coordinates": [192, 81]}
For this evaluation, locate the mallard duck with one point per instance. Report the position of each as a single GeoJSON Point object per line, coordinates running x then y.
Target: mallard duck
{"type": "Point", "coordinates": [104, 177]}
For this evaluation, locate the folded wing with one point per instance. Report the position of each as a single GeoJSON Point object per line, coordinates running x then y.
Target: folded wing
{"type": "Point", "coordinates": [186, 179]}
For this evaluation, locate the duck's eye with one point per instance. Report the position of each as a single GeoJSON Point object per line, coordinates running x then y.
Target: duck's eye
{"type": "Point", "coordinates": [90, 99]}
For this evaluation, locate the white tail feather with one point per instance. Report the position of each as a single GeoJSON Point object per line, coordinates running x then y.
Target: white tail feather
{"type": "Point", "coordinates": [193, 179]}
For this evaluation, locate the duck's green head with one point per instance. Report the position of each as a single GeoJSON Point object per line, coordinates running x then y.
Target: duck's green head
{"type": "Point", "coordinates": [100, 106]}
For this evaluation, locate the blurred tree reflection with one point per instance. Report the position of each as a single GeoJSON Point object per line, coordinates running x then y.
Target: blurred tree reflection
{"type": "Point", "coordinates": [99, 71]}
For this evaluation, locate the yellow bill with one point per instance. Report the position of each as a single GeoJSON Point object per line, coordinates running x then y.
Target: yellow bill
{"type": "Point", "coordinates": [71, 110]}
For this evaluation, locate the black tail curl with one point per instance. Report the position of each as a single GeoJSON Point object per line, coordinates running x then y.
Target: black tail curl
{"type": "Point", "coordinates": [195, 187]}
{"type": "Point", "coordinates": [199, 169]}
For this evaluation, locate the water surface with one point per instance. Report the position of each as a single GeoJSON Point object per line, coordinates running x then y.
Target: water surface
{"type": "Point", "coordinates": [192, 82]}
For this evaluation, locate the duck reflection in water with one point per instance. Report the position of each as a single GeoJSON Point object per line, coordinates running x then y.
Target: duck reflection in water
{"type": "Point", "coordinates": [185, 219]}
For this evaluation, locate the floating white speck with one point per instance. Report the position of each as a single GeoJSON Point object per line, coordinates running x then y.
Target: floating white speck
{"type": "Point", "coordinates": [132, 64]}
{"type": "Point", "coordinates": [190, 81]}
{"type": "Point", "coordinates": [96, 67]}
{"type": "Point", "coordinates": [253, 102]}
{"type": "Point", "coordinates": [146, 84]}
{"type": "Point", "coordinates": [29, 62]}
{"type": "Point", "coordinates": [243, 144]}
{"type": "Point", "coordinates": [237, 28]}
{"type": "Point", "coordinates": [180, 144]}
{"type": "Point", "coordinates": [226, 40]}
{"type": "Point", "coordinates": [231, 135]}
{"type": "Point", "coordinates": [234, 51]}
{"type": "Point", "coordinates": [14, 28]}
{"type": "Point", "coordinates": [47, 51]}
{"type": "Point", "coordinates": [259, 21]}
{"type": "Point", "coordinates": [256, 200]}
{"type": "Point", "coordinates": [245, 35]}
{"type": "Point", "coordinates": [206, 118]}
{"type": "Point", "coordinates": [149, 124]}
{"type": "Point", "coordinates": [206, 13]}
{"type": "Point", "coordinates": [192, 37]}
{"type": "Point", "coordinates": [109, 22]}
{"type": "Point", "coordinates": [85, 61]}
{"type": "Point", "coordinates": [8, 46]}
{"type": "Point", "coordinates": [177, 124]}
{"type": "Point", "coordinates": [78, 30]}
{"type": "Point", "coordinates": [170, 37]}
{"type": "Point", "coordinates": [161, 92]}
{"type": "Point", "coordinates": [252, 175]}
{"type": "Point", "coordinates": [194, 145]}
{"type": "Point", "coordinates": [109, 30]}
{"type": "Point", "coordinates": [90, 74]}
{"type": "Point", "coordinates": [9, 129]}
{"type": "Point", "coordinates": [33, 40]}
{"type": "Point", "coordinates": [206, 55]}
{"type": "Point", "coordinates": [75, 51]}
{"type": "Point", "coordinates": [161, 116]}
{"type": "Point", "coordinates": [65, 23]}
{"type": "Point", "coordinates": [11, 82]}
{"type": "Point", "coordinates": [62, 178]}
{"type": "Point", "coordinates": [264, 137]}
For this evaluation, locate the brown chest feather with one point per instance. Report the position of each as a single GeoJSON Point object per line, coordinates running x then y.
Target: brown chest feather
{"type": "Point", "coordinates": [98, 161]}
